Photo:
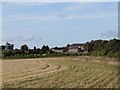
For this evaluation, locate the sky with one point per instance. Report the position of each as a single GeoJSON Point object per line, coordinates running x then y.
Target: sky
{"type": "Point", "coordinates": [58, 23]}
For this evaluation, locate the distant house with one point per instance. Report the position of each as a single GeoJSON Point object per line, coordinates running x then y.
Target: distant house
{"type": "Point", "coordinates": [76, 48]}
{"type": "Point", "coordinates": [71, 48]}
{"type": "Point", "coordinates": [59, 49]}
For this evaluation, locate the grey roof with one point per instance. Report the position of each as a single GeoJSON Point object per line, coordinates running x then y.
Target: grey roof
{"type": "Point", "coordinates": [59, 48]}
{"type": "Point", "coordinates": [77, 44]}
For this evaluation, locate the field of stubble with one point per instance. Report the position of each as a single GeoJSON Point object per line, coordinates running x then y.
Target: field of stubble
{"type": "Point", "coordinates": [64, 72]}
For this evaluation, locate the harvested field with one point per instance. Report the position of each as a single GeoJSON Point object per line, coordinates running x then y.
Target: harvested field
{"type": "Point", "coordinates": [69, 72]}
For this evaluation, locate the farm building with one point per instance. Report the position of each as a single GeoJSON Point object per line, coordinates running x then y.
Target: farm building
{"type": "Point", "coordinates": [70, 48]}
{"type": "Point", "coordinates": [76, 48]}
{"type": "Point", "coordinates": [59, 49]}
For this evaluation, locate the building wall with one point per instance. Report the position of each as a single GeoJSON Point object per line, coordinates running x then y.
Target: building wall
{"type": "Point", "coordinates": [82, 47]}
{"type": "Point", "coordinates": [57, 50]}
{"type": "Point", "coordinates": [73, 50]}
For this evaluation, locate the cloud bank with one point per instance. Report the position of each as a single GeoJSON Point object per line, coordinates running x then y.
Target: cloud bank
{"type": "Point", "coordinates": [26, 38]}
{"type": "Point", "coordinates": [110, 34]}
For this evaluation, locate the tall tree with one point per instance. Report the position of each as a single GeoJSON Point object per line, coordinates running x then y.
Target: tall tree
{"type": "Point", "coordinates": [24, 47]}
{"type": "Point", "coordinates": [34, 48]}
{"type": "Point", "coordinates": [3, 47]}
{"type": "Point", "coordinates": [45, 48]}
{"type": "Point", "coordinates": [9, 46]}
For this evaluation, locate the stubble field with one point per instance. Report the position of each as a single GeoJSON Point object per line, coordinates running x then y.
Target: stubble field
{"type": "Point", "coordinates": [64, 72]}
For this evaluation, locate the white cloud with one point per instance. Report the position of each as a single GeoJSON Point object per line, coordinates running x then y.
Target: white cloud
{"type": "Point", "coordinates": [28, 18]}
{"type": "Point", "coordinates": [56, 17]}
{"type": "Point", "coordinates": [28, 4]}
{"type": "Point", "coordinates": [7, 39]}
{"type": "Point", "coordinates": [110, 34]}
{"type": "Point", "coordinates": [80, 5]}
{"type": "Point", "coordinates": [91, 16]}
{"type": "Point", "coordinates": [26, 38]}
{"type": "Point", "coordinates": [73, 8]}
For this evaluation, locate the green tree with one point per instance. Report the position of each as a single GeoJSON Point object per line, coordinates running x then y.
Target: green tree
{"type": "Point", "coordinates": [68, 45]}
{"type": "Point", "coordinates": [9, 46]}
{"type": "Point", "coordinates": [24, 47]}
{"type": "Point", "coordinates": [45, 48]}
{"type": "Point", "coordinates": [34, 48]}
{"type": "Point", "coordinates": [3, 47]}
{"type": "Point", "coordinates": [103, 47]}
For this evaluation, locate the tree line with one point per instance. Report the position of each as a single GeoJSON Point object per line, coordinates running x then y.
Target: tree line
{"type": "Point", "coordinates": [24, 52]}
{"type": "Point", "coordinates": [109, 48]}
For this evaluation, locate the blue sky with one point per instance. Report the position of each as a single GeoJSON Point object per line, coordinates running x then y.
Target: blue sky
{"type": "Point", "coordinates": [58, 24]}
